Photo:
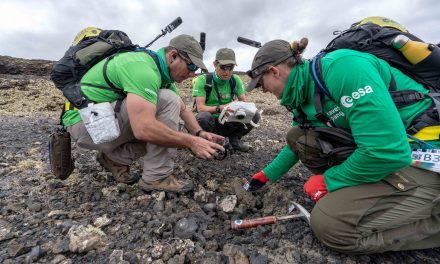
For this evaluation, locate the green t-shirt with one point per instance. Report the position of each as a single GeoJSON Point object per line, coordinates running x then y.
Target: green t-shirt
{"type": "Point", "coordinates": [223, 86]}
{"type": "Point", "coordinates": [359, 84]}
{"type": "Point", "coordinates": [133, 72]}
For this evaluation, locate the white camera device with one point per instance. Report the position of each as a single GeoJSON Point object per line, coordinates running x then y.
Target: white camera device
{"type": "Point", "coordinates": [238, 111]}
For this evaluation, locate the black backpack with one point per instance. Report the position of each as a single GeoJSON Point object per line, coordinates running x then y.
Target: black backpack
{"type": "Point", "coordinates": [377, 39]}
{"type": "Point", "coordinates": [90, 46]}
{"type": "Point", "coordinates": [208, 88]}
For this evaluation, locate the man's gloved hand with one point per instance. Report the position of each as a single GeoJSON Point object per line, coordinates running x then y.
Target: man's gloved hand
{"type": "Point", "coordinates": [315, 187]}
{"type": "Point", "coordinates": [258, 180]}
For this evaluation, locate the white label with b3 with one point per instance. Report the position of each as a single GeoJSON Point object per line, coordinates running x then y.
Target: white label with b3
{"type": "Point", "coordinates": [428, 159]}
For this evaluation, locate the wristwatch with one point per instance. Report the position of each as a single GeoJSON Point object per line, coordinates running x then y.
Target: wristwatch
{"type": "Point", "coordinates": [217, 109]}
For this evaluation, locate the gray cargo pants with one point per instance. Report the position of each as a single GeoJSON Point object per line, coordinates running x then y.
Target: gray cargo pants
{"type": "Point", "coordinates": [397, 213]}
{"type": "Point", "coordinates": [158, 161]}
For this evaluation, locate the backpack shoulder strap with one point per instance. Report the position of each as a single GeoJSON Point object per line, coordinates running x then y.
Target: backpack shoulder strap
{"type": "Point", "coordinates": [149, 52]}
{"type": "Point", "coordinates": [233, 85]}
{"type": "Point", "coordinates": [156, 60]}
{"type": "Point", "coordinates": [117, 90]}
{"type": "Point", "coordinates": [320, 90]}
{"type": "Point", "coordinates": [316, 70]}
{"type": "Point", "coordinates": [121, 94]}
{"type": "Point", "coordinates": [300, 118]}
{"type": "Point", "coordinates": [208, 85]}
{"type": "Point", "coordinates": [104, 71]}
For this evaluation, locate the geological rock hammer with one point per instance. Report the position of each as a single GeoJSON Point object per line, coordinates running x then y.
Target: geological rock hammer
{"type": "Point", "coordinates": [268, 220]}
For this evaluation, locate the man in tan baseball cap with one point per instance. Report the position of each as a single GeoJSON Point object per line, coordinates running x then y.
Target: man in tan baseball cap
{"type": "Point", "coordinates": [149, 114]}
{"type": "Point", "coordinates": [225, 87]}
{"type": "Point", "coordinates": [190, 49]}
{"type": "Point", "coordinates": [225, 56]}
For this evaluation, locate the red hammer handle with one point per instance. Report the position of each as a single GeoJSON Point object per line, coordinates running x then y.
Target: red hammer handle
{"type": "Point", "coordinates": [249, 223]}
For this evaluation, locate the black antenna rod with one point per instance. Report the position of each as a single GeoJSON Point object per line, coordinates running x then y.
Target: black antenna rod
{"type": "Point", "coordinates": [203, 40]}
{"type": "Point", "coordinates": [249, 42]}
{"type": "Point", "coordinates": [168, 29]}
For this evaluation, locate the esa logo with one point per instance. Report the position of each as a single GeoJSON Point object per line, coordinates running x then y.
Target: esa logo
{"type": "Point", "coordinates": [347, 101]}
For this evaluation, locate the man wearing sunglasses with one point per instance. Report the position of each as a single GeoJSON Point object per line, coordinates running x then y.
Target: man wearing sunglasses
{"type": "Point", "coordinates": [373, 200]}
{"type": "Point", "coordinates": [149, 116]}
{"type": "Point", "coordinates": [213, 91]}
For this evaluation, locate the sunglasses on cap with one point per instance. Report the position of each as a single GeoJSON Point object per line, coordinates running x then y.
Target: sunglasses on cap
{"type": "Point", "coordinates": [191, 66]}
{"type": "Point", "coordinates": [227, 67]}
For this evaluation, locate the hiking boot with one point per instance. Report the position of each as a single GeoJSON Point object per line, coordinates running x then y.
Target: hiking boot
{"type": "Point", "coordinates": [238, 145]}
{"type": "Point", "coordinates": [120, 172]}
{"type": "Point", "coordinates": [168, 184]}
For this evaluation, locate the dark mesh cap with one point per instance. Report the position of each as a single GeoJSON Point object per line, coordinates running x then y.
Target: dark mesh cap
{"type": "Point", "coordinates": [190, 46]}
{"type": "Point", "coordinates": [271, 53]}
{"type": "Point", "coordinates": [225, 56]}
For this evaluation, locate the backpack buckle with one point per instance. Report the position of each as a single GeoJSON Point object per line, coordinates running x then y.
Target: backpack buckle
{"type": "Point", "coordinates": [80, 103]}
{"type": "Point", "coordinates": [412, 130]}
{"type": "Point", "coordinates": [419, 96]}
{"type": "Point", "coordinates": [324, 119]}
{"type": "Point", "coordinates": [305, 126]}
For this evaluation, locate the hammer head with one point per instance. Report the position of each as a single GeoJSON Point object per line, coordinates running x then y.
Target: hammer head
{"type": "Point", "coordinates": [302, 211]}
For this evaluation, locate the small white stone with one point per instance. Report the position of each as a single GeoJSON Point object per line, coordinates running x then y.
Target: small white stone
{"type": "Point", "coordinates": [228, 203]}
{"type": "Point", "coordinates": [102, 221]}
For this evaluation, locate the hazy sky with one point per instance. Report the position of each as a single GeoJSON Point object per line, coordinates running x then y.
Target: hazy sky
{"type": "Point", "coordinates": [43, 29]}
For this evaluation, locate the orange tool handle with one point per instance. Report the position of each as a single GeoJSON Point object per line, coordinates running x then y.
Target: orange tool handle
{"type": "Point", "coordinates": [249, 223]}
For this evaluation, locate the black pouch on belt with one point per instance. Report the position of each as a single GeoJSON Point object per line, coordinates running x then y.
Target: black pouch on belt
{"type": "Point", "coordinates": [60, 156]}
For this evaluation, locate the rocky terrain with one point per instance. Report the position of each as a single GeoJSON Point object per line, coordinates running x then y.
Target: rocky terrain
{"type": "Point", "coordinates": [89, 218]}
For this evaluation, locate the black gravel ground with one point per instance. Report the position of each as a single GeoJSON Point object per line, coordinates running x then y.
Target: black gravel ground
{"type": "Point", "coordinates": [89, 218]}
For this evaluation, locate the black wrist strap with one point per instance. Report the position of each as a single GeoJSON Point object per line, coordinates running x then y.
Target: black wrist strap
{"type": "Point", "coordinates": [199, 132]}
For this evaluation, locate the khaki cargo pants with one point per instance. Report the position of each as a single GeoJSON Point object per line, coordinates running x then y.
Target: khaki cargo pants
{"type": "Point", "coordinates": [397, 213]}
{"type": "Point", "coordinates": [158, 161]}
